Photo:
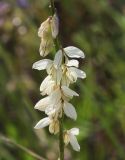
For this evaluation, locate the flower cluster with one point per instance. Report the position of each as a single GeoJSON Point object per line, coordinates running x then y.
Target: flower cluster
{"type": "Point", "coordinates": [62, 71]}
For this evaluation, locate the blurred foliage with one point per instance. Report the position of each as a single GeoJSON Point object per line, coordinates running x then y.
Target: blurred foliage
{"type": "Point", "coordinates": [97, 27]}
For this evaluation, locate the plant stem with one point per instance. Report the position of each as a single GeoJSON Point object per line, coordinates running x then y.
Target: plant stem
{"type": "Point", "coordinates": [61, 141]}
{"type": "Point", "coordinates": [52, 6]}
{"type": "Point", "coordinates": [28, 151]}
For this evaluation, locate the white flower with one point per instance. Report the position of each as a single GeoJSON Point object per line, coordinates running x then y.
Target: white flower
{"type": "Point", "coordinates": [70, 74]}
{"type": "Point", "coordinates": [53, 67]}
{"type": "Point", "coordinates": [69, 110]}
{"type": "Point", "coordinates": [53, 124]}
{"type": "Point", "coordinates": [69, 137]}
{"type": "Point", "coordinates": [51, 104]}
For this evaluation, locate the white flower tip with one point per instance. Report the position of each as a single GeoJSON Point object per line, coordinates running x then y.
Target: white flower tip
{"type": "Point", "coordinates": [83, 75]}
{"type": "Point", "coordinates": [74, 131]}
{"type": "Point", "coordinates": [75, 117]}
{"type": "Point", "coordinates": [34, 66]}
{"type": "Point", "coordinates": [35, 107]}
{"type": "Point", "coordinates": [36, 127]}
{"type": "Point", "coordinates": [78, 149]}
{"type": "Point", "coordinates": [83, 55]}
{"type": "Point", "coordinates": [76, 94]}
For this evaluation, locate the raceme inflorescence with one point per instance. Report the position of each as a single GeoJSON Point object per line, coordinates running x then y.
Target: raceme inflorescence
{"type": "Point", "coordinates": [62, 71]}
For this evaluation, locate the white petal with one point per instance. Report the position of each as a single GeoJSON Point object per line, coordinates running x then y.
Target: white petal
{"type": "Point", "coordinates": [69, 110]}
{"type": "Point", "coordinates": [50, 110]}
{"type": "Point", "coordinates": [68, 92]}
{"type": "Point", "coordinates": [47, 86]}
{"type": "Point", "coordinates": [55, 96]}
{"type": "Point", "coordinates": [55, 25]}
{"type": "Point", "coordinates": [71, 75]}
{"type": "Point", "coordinates": [42, 104]}
{"type": "Point", "coordinates": [58, 59]}
{"type": "Point", "coordinates": [73, 63]}
{"type": "Point", "coordinates": [74, 131]}
{"type": "Point", "coordinates": [54, 127]}
{"type": "Point", "coordinates": [74, 143]}
{"type": "Point", "coordinates": [42, 64]}
{"type": "Point", "coordinates": [43, 123]}
{"type": "Point", "coordinates": [74, 52]}
{"type": "Point", "coordinates": [44, 27]}
{"type": "Point", "coordinates": [45, 83]}
{"type": "Point", "coordinates": [78, 72]}
{"type": "Point", "coordinates": [56, 74]}
{"type": "Point", "coordinates": [46, 47]}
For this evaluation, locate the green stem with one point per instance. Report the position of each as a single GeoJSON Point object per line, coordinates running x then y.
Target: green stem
{"type": "Point", "coordinates": [52, 6]}
{"type": "Point", "coordinates": [61, 141]}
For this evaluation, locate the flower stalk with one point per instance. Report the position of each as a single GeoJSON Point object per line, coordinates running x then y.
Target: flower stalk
{"type": "Point", "coordinates": [61, 141]}
{"type": "Point", "coordinates": [62, 71]}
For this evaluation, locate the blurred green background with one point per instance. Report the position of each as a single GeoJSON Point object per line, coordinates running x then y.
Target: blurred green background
{"type": "Point", "coordinates": [98, 28]}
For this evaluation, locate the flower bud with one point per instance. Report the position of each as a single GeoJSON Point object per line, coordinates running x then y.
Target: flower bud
{"type": "Point", "coordinates": [47, 32]}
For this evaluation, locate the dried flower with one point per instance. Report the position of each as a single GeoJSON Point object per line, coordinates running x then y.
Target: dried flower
{"type": "Point", "coordinates": [47, 32]}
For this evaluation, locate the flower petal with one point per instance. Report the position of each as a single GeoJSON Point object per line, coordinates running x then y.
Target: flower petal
{"type": "Point", "coordinates": [58, 59]}
{"type": "Point", "coordinates": [71, 75]}
{"type": "Point", "coordinates": [42, 104]}
{"type": "Point", "coordinates": [78, 72]}
{"type": "Point", "coordinates": [55, 25]}
{"type": "Point", "coordinates": [74, 131]}
{"type": "Point", "coordinates": [47, 86]}
{"type": "Point", "coordinates": [69, 110]}
{"type": "Point", "coordinates": [43, 123]}
{"type": "Point", "coordinates": [42, 64]}
{"type": "Point", "coordinates": [74, 143]}
{"type": "Point", "coordinates": [42, 28]}
{"type": "Point", "coordinates": [54, 127]}
{"type": "Point", "coordinates": [46, 46]}
{"type": "Point", "coordinates": [73, 63]}
{"type": "Point", "coordinates": [58, 75]}
{"type": "Point", "coordinates": [50, 110]}
{"type": "Point", "coordinates": [45, 83]}
{"type": "Point", "coordinates": [55, 96]}
{"type": "Point", "coordinates": [74, 52]}
{"type": "Point", "coordinates": [68, 92]}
